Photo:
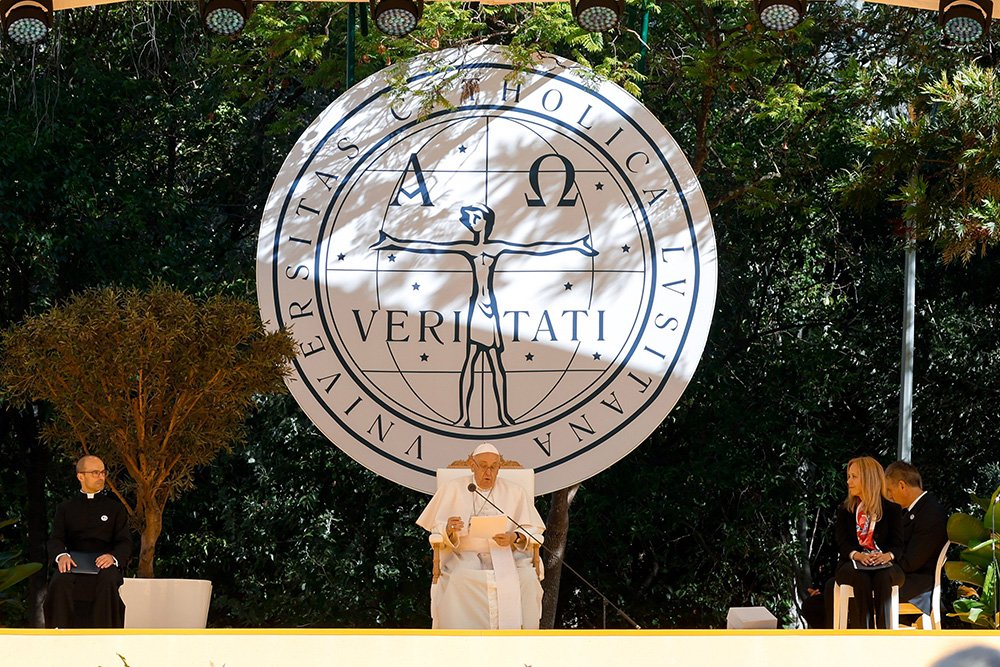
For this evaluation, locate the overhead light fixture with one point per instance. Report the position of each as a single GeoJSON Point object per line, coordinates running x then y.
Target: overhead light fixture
{"type": "Point", "coordinates": [597, 15]}
{"type": "Point", "coordinates": [780, 15]}
{"type": "Point", "coordinates": [225, 17]}
{"type": "Point", "coordinates": [965, 21]}
{"type": "Point", "coordinates": [26, 21]}
{"type": "Point", "coordinates": [396, 17]}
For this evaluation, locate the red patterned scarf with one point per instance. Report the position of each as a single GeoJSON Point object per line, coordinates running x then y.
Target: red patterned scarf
{"type": "Point", "coordinates": [866, 529]}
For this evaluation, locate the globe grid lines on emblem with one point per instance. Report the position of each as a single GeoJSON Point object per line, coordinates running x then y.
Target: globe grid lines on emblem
{"type": "Point", "coordinates": [428, 173]}
{"type": "Point", "coordinates": [527, 267]}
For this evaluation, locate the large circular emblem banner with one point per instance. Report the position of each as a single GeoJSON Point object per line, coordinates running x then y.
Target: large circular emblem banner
{"type": "Point", "coordinates": [468, 251]}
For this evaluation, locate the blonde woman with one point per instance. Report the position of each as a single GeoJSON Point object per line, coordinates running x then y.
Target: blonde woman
{"type": "Point", "coordinates": [870, 539]}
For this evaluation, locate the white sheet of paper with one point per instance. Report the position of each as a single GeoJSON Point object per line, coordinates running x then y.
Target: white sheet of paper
{"type": "Point", "coordinates": [485, 527]}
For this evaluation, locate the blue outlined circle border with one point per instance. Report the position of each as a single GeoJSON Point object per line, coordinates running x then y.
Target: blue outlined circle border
{"type": "Point", "coordinates": [624, 117]}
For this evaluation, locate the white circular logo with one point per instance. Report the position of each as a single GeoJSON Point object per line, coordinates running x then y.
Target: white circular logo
{"type": "Point", "coordinates": [531, 263]}
{"type": "Point", "coordinates": [104, 517]}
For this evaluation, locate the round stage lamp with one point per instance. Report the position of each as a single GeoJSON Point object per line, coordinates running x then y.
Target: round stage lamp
{"type": "Point", "coordinates": [26, 21]}
{"type": "Point", "coordinates": [965, 21]}
{"type": "Point", "coordinates": [225, 17]}
{"type": "Point", "coordinates": [397, 17]}
{"type": "Point", "coordinates": [597, 15]}
{"type": "Point", "coordinates": [780, 15]}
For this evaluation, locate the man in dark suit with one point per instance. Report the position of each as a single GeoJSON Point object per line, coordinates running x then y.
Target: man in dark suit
{"type": "Point", "coordinates": [925, 531]}
{"type": "Point", "coordinates": [92, 526]}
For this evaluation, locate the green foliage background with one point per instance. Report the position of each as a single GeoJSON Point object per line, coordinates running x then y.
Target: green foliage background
{"type": "Point", "coordinates": [133, 145]}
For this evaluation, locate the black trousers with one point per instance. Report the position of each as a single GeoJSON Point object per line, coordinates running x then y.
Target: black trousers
{"type": "Point", "coordinates": [102, 588]}
{"type": "Point", "coordinates": [872, 601]}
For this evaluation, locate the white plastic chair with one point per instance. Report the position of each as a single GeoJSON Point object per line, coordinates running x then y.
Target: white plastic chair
{"type": "Point", "coordinates": [842, 594]}
{"type": "Point", "coordinates": [932, 620]}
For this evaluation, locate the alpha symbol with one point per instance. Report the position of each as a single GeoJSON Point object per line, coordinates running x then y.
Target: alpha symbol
{"type": "Point", "coordinates": [421, 189]}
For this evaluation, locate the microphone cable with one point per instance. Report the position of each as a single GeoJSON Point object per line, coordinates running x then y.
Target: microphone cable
{"type": "Point", "coordinates": [474, 489]}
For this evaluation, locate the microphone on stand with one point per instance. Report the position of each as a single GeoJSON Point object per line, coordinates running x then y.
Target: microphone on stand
{"type": "Point", "coordinates": [474, 489]}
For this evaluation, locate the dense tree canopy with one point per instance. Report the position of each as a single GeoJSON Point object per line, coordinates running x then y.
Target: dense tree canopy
{"type": "Point", "coordinates": [133, 145]}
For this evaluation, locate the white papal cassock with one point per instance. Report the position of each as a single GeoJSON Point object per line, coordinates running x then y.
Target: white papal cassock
{"type": "Point", "coordinates": [470, 594]}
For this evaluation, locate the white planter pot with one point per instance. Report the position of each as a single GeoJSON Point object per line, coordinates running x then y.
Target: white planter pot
{"type": "Point", "coordinates": [166, 603]}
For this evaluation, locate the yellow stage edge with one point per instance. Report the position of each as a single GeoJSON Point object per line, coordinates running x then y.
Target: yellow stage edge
{"type": "Point", "coordinates": [426, 648]}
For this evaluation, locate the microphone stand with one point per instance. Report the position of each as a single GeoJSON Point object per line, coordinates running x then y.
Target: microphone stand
{"type": "Point", "coordinates": [475, 489]}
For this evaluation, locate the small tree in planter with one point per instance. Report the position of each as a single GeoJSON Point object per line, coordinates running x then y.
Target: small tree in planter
{"type": "Point", "coordinates": [153, 381]}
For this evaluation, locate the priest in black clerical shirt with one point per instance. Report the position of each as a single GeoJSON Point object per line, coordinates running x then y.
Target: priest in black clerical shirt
{"type": "Point", "coordinates": [90, 523]}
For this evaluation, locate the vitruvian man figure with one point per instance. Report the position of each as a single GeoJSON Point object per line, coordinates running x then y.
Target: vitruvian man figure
{"type": "Point", "coordinates": [483, 319]}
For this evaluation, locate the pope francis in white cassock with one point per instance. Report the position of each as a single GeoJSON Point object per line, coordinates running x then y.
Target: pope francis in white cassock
{"type": "Point", "coordinates": [485, 583]}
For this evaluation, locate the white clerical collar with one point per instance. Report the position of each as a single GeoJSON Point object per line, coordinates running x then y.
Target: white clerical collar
{"type": "Point", "coordinates": [917, 500]}
{"type": "Point", "coordinates": [90, 496]}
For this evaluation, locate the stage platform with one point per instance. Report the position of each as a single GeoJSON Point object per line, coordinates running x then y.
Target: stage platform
{"type": "Point", "coordinates": [426, 648]}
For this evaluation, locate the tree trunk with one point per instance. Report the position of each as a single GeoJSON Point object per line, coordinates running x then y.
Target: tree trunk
{"type": "Point", "coordinates": [803, 566]}
{"type": "Point", "coordinates": [150, 533]}
{"type": "Point", "coordinates": [556, 533]}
